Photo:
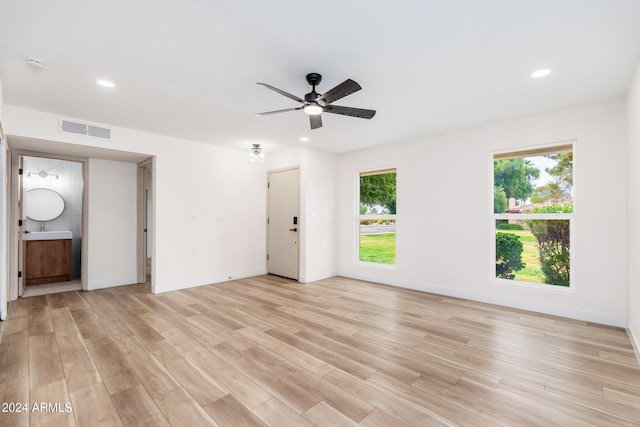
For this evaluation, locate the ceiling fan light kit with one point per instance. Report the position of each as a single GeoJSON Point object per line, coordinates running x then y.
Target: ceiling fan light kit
{"type": "Point", "coordinates": [312, 109]}
{"type": "Point", "coordinates": [314, 104]}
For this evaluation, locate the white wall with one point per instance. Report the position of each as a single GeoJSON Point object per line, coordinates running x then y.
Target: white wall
{"type": "Point", "coordinates": [4, 191]}
{"type": "Point", "coordinates": [1, 103]}
{"type": "Point", "coordinates": [112, 223]}
{"type": "Point", "coordinates": [322, 231]}
{"type": "Point", "coordinates": [318, 231]}
{"type": "Point", "coordinates": [209, 204]}
{"type": "Point", "coordinates": [633, 99]}
{"type": "Point", "coordinates": [444, 206]}
{"type": "Point", "coordinates": [210, 208]}
{"type": "Point", "coordinates": [4, 223]}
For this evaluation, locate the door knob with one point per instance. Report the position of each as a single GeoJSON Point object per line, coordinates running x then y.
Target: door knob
{"type": "Point", "coordinates": [293, 229]}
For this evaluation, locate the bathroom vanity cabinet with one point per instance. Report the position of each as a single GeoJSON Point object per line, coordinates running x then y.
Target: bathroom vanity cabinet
{"type": "Point", "coordinates": [47, 261]}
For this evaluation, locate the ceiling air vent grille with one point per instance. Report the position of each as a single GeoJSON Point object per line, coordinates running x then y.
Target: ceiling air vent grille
{"type": "Point", "coordinates": [99, 132]}
{"type": "Point", "coordinates": [77, 128]}
{"type": "Point", "coordinates": [72, 127]}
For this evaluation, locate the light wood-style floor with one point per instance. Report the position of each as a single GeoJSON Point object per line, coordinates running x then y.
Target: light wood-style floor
{"type": "Point", "coordinates": [338, 352]}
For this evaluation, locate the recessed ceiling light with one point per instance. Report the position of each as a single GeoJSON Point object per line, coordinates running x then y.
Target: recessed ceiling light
{"type": "Point", "coordinates": [105, 83]}
{"type": "Point", "coordinates": [540, 73]}
{"type": "Point", "coordinates": [304, 139]}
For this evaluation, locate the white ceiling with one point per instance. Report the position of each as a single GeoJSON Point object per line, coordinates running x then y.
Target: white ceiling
{"type": "Point", "coordinates": [189, 68]}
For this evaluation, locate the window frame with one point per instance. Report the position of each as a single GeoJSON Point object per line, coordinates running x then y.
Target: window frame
{"type": "Point", "coordinates": [359, 217]}
{"type": "Point", "coordinates": [537, 150]}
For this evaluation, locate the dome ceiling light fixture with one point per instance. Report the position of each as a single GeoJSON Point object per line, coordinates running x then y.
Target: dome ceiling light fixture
{"type": "Point", "coordinates": [256, 154]}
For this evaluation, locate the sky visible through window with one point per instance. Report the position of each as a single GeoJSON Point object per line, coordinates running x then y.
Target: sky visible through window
{"type": "Point", "coordinates": [542, 163]}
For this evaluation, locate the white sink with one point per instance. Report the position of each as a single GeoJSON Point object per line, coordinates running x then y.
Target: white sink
{"type": "Point", "coordinates": [48, 235]}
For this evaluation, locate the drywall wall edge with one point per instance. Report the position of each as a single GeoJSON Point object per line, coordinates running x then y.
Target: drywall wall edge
{"type": "Point", "coordinates": [634, 342]}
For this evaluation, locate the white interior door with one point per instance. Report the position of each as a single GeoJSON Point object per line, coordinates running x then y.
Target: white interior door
{"type": "Point", "coordinates": [283, 223]}
{"type": "Point", "coordinates": [145, 221]}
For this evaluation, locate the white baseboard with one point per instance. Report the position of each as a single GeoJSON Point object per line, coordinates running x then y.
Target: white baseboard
{"type": "Point", "coordinates": [3, 315]}
{"type": "Point", "coordinates": [168, 287]}
{"type": "Point", "coordinates": [92, 286]}
{"type": "Point", "coordinates": [316, 277]}
{"type": "Point", "coordinates": [571, 313]}
{"type": "Point", "coordinates": [634, 342]}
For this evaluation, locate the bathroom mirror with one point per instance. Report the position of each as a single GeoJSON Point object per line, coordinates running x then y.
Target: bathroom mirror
{"type": "Point", "coordinates": [43, 204]}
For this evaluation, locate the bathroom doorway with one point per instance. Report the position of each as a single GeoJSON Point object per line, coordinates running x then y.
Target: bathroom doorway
{"type": "Point", "coordinates": [51, 229]}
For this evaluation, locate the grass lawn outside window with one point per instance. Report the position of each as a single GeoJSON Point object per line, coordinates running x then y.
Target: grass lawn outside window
{"type": "Point", "coordinates": [378, 248]}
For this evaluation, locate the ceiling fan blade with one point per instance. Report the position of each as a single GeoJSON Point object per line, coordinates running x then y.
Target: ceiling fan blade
{"type": "Point", "coordinates": [266, 113]}
{"type": "Point", "coordinates": [316, 121]}
{"type": "Point", "coordinates": [281, 92]}
{"type": "Point", "coordinates": [349, 111]}
{"type": "Point", "coordinates": [345, 88]}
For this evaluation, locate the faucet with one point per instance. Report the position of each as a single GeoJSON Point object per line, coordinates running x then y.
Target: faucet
{"type": "Point", "coordinates": [42, 226]}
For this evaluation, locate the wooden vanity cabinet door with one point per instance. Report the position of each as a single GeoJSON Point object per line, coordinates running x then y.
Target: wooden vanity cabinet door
{"type": "Point", "coordinates": [47, 261]}
{"type": "Point", "coordinates": [34, 264]}
{"type": "Point", "coordinates": [57, 258]}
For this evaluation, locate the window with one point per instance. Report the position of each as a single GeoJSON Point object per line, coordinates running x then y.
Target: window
{"type": "Point", "coordinates": [377, 217]}
{"type": "Point", "coordinates": [533, 217]}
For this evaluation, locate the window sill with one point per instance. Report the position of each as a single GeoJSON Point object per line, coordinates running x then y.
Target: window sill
{"type": "Point", "coordinates": [377, 265]}
{"type": "Point", "coordinates": [571, 290]}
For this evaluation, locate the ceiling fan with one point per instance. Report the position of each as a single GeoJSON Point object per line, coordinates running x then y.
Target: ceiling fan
{"type": "Point", "coordinates": [314, 104]}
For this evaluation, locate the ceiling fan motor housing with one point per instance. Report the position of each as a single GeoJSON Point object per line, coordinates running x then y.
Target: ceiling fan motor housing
{"type": "Point", "coordinates": [314, 79]}
{"type": "Point", "coordinates": [311, 96]}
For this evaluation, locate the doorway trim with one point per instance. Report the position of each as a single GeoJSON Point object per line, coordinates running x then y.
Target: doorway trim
{"type": "Point", "coordinates": [141, 239]}
{"type": "Point", "coordinates": [14, 216]}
